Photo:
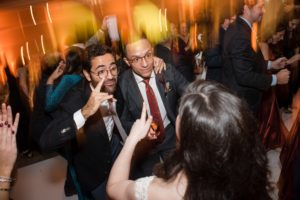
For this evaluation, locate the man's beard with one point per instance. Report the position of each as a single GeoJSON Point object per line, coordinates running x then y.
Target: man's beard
{"type": "Point", "coordinates": [109, 89]}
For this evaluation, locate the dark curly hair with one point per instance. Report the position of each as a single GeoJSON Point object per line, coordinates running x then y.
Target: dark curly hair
{"type": "Point", "coordinates": [218, 150]}
{"type": "Point", "coordinates": [94, 51]}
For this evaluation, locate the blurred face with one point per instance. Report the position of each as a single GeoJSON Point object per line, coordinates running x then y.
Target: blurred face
{"type": "Point", "coordinates": [256, 12]}
{"type": "Point", "coordinates": [293, 24]}
{"type": "Point", "coordinates": [277, 37]}
{"type": "Point", "coordinates": [183, 29]}
{"type": "Point", "coordinates": [103, 67]}
{"type": "Point", "coordinates": [173, 30]}
{"type": "Point", "coordinates": [140, 57]}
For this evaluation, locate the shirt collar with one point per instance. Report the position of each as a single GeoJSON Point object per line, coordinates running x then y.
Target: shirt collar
{"type": "Point", "coordinates": [140, 79]}
{"type": "Point", "coordinates": [245, 20]}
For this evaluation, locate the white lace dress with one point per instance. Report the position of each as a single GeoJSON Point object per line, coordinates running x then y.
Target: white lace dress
{"type": "Point", "coordinates": [141, 187]}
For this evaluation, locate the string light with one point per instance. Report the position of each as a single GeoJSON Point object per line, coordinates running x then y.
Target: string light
{"type": "Point", "coordinates": [22, 55]}
{"type": "Point", "coordinates": [32, 16]}
{"type": "Point", "coordinates": [42, 42]}
{"type": "Point", "coordinates": [27, 49]}
{"type": "Point", "coordinates": [48, 11]}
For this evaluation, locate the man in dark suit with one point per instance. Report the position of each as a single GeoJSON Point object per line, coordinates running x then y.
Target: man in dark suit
{"type": "Point", "coordinates": [137, 86]}
{"type": "Point", "coordinates": [244, 70]}
{"type": "Point", "coordinates": [84, 127]}
{"type": "Point", "coordinates": [213, 56]}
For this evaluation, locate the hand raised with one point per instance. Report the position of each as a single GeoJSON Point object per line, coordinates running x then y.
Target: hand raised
{"type": "Point", "coordinates": [8, 147]}
{"type": "Point", "coordinates": [140, 127]}
{"type": "Point", "coordinates": [159, 65]}
{"type": "Point", "coordinates": [57, 72]}
{"type": "Point", "coordinates": [96, 98]}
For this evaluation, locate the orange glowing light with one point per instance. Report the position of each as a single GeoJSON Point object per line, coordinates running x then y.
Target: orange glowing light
{"type": "Point", "coordinates": [27, 49]}
{"type": "Point", "coordinates": [32, 16]}
{"type": "Point", "coordinates": [42, 44]}
{"type": "Point", "coordinates": [48, 12]}
{"type": "Point", "coordinates": [254, 36]}
{"type": "Point", "coordinates": [22, 55]}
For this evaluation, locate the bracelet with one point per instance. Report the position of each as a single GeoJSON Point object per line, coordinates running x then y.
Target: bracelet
{"type": "Point", "coordinates": [5, 189]}
{"type": "Point", "coordinates": [7, 179]}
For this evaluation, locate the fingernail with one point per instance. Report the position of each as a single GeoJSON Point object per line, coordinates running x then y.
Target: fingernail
{"type": "Point", "coordinates": [6, 122]}
{"type": "Point", "coordinates": [8, 125]}
{"type": "Point", "coordinates": [12, 132]}
{"type": "Point", "coordinates": [1, 124]}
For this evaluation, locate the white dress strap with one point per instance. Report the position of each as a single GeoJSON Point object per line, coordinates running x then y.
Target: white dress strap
{"type": "Point", "coordinates": [141, 187]}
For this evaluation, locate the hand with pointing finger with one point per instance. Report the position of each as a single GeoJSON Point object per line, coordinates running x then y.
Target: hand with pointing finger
{"type": "Point", "coordinates": [140, 128]}
{"type": "Point", "coordinates": [96, 98]}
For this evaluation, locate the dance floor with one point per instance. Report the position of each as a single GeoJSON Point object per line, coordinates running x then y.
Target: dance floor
{"type": "Point", "coordinates": [45, 179]}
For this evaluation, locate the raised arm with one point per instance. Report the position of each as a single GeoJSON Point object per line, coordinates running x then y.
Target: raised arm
{"type": "Point", "coordinates": [8, 149]}
{"type": "Point", "coordinates": [119, 186]}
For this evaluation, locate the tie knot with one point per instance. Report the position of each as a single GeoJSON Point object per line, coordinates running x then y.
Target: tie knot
{"type": "Point", "coordinates": [146, 81]}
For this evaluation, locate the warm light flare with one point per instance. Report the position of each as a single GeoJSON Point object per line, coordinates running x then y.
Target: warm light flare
{"type": "Point", "coordinates": [42, 44]}
{"type": "Point", "coordinates": [32, 16]}
{"type": "Point", "coordinates": [22, 55]}
{"type": "Point", "coordinates": [48, 12]}
{"type": "Point", "coordinates": [159, 20]}
{"type": "Point", "coordinates": [254, 36]}
{"type": "Point", "coordinates": [166, 21]}
{"type": "Point", "coordinates": [27, 50]}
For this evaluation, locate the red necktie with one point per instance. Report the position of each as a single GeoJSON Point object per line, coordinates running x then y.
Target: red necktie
{"type": "Point", "coordinates": [154, 109]}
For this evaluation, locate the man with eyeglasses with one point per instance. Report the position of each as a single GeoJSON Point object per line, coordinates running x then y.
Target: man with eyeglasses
{"type": "Point", "coordinates": [84, 125]}
{"type": "Point", "coordinates": [160, 92]}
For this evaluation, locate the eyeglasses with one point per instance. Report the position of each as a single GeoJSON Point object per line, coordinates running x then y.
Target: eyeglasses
{"type": "Point", "coordinates": [104, 72]}
{"type": "Point", "coordinates": [138, 60]}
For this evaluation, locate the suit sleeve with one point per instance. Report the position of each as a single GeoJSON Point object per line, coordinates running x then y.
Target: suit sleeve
{"type": "Point", "coordinates": [244, 65]}
{"type": "Point", "coordinates": [122, 108]}
{"type": "Point", "coordinates": [62, 128]}
{"type": "Point", "coordinates": [179, 80]}
{"type": "Point", "coordinates": [59, 131]}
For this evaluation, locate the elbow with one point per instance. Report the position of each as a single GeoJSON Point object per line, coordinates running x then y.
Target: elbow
{"type": "Point", "coordinates": [110, 190]}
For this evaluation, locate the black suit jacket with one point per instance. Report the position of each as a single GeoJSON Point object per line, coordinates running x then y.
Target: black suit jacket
{"type": "Point", "coordinates": [171, 85]}
{"type": "Point", "coordinates": [244, 70]}
{"type": "Point", "coordinates": [89, 148]}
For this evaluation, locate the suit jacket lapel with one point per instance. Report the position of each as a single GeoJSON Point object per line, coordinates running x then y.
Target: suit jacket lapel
{"type": "Point", "coordinates": [160, 82]}
{"type": "Point", "coordinates": [134, 92]}
{"type": "Point", "coordinates": [161, 89]}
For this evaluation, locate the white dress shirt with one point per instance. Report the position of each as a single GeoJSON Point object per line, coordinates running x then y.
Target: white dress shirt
{"type": "Point", "coordinates": [152, 83]}
{"type": "Point", "coordinates": [106, 114]}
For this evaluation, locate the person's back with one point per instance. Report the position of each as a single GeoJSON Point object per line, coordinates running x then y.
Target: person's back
{"type": "Point", "coordinates": [218, 153]}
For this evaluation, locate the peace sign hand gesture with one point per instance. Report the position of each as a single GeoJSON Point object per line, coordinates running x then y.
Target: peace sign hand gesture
{"type": "Point", "coordinates": [96, 98]}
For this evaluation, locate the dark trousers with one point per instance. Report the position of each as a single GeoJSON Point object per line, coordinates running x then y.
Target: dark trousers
{"type": "Point", "coordinates": [100, 192]}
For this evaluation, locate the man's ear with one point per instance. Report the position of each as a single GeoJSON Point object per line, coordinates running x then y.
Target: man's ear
{"type": "Point", "coordinates": [87, 75]}
{"type": "Point", "coordinates": [126, 61]}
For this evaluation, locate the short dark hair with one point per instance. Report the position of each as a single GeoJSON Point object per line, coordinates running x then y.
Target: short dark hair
{"type": "Point", "coordinates": [239, 5]}
{"type": "Point", "coordinates": [94, 51]}
{"type": "Point", "coordinates": [219, 149]}
{"type": "Point", "coordinates": [74, 60]}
